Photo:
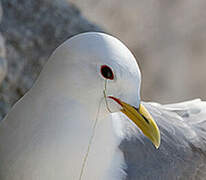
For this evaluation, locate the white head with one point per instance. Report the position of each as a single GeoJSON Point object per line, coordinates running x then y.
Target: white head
{"type": "Point", "coordinates": [90, 60]}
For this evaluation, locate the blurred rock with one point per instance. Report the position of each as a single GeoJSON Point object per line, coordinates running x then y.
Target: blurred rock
{"type": "Point", "coordinates": [3, 62]}
{"type": "Point", "coordinates": [1, 12]}
{"type": "Point", "coordinates": [32, 29]}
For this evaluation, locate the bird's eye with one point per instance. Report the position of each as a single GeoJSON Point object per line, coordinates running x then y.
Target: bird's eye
{"type": "Point", "coordinates": [106, 72]}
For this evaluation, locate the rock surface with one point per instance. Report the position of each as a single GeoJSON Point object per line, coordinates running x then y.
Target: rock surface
{"type": "Point", "coordinates": [3, 62]}
{"type": "Point", "coordinates": [32, 30]}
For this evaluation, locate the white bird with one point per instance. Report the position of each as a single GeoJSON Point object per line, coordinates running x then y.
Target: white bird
{"type": "Point", "coordinates": [79, 122]}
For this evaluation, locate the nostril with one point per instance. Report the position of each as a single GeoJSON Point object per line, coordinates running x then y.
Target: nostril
{"type": "Point", "coordinates": [141, 115]}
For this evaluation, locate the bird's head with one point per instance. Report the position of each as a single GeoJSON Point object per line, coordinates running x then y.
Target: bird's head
{"type": "Point", "coordinates": [100, 68]}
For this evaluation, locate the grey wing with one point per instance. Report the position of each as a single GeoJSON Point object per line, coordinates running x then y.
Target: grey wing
{"type": "Point", "coordinates": [182, 153]}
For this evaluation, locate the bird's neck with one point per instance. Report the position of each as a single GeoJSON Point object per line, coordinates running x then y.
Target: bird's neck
{"type": "Point", "coordinates": [71, 132]}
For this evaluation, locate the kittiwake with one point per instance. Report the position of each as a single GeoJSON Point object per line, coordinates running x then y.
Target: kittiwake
{"type": "Point", "coordinates": [84, 120]}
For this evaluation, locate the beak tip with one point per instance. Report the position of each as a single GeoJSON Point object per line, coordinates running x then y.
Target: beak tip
{"type": "Point", "coordinates": [157, 145]}
{"type": "Point", "coordinates": [157, 142]}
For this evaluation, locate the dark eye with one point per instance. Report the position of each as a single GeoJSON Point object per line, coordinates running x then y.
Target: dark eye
{"type": "Point", "coordinates": [107, 72]}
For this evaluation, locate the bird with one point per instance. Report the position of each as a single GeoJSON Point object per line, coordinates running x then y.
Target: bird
{"type": "Point", "coordinates": [83, 119]}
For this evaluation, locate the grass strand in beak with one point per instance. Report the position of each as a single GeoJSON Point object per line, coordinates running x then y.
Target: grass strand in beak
{"type": "Point", "coordinates": [105, 95]}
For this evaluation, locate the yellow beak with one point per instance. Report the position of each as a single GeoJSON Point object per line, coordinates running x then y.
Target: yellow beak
{"type": "Point", "coordinates": [142, 118]}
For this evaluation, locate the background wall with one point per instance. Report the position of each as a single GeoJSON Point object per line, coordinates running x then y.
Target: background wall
{"type": "Point", "coordinates": [168, 38]}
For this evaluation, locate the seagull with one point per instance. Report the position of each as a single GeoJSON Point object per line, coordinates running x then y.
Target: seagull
{"type": "Point", "coordinates": [83, 119]}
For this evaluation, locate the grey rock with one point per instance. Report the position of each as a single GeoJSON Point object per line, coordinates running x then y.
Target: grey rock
{"type": "Point", "coordinates": [1, 12]}
{"type": "Point", "coordinates": [32, 30]}
{"type": "Point", "coordinates": [3, 62]}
